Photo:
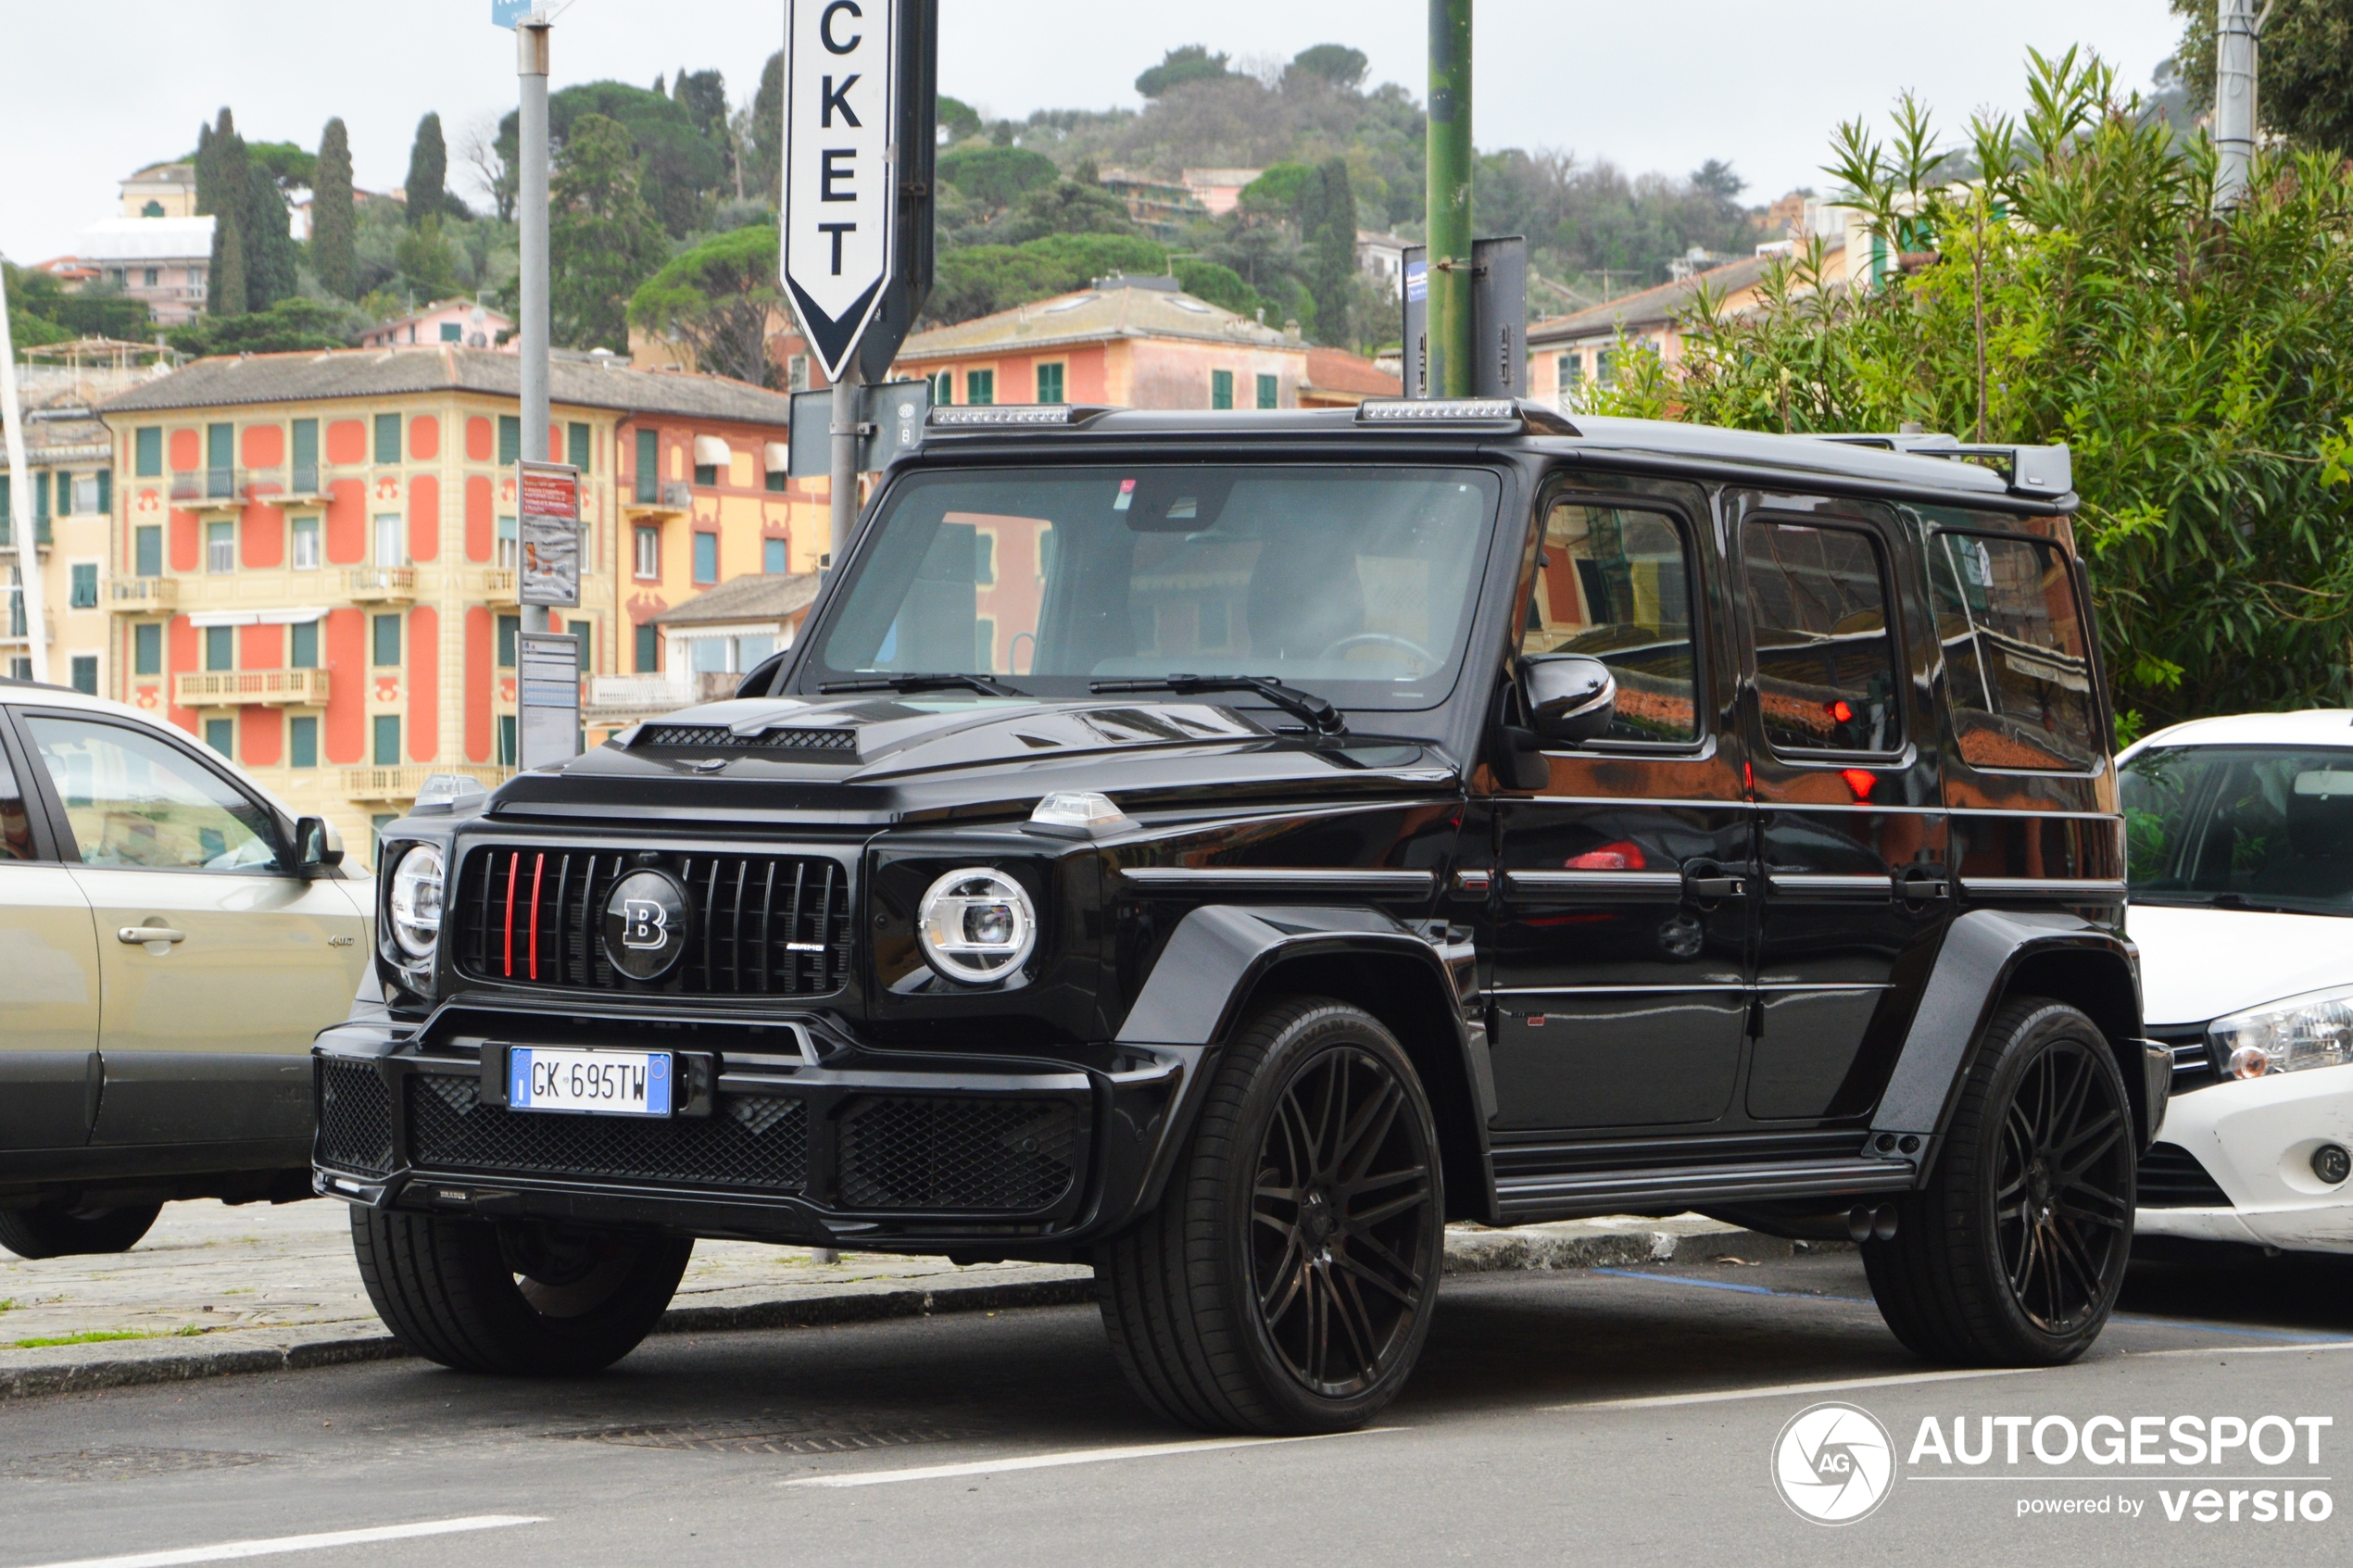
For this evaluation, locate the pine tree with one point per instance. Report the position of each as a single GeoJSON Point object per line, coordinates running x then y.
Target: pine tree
{"type": "Point", "coordinates": [333, 224]}
{"type": "Point", "coordinates": [428, 173]}
{"type": "Point", "coordinates": [602, 239]}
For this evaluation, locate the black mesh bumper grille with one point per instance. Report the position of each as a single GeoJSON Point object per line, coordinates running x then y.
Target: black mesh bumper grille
{"type": "Point", "coordinates": [756, 1141]}
{"type": "Point", "coordinates": [939, 1152]}
{"type": "Point", "coordinates": [2170, 1177]}
{"type": "Point", "coordinates": [354, 1118]}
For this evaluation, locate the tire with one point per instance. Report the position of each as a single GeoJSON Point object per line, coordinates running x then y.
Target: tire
{"type": "Point", "coordinates": [2014, 1252]}
{"type": "Point", "coordinates": [1254, 1300]}
{"type": "Point", "coordinates": [520, 1298]}
{"type": "Point", "coordinates": [53, 1230]}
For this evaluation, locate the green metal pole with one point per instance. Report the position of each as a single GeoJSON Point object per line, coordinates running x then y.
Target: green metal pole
{"type": "Point", "coordinates": [1450, 198]}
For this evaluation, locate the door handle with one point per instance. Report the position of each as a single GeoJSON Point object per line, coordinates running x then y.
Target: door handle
{"type": "Point", "coordinates": [1921, 884]}
{"type": "Point", "coordinates": [1719, 886]}
{"type": "Point", "coordinates": [138, 935]}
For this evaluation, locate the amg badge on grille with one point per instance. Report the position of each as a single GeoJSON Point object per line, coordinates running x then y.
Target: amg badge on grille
{"type": "Point", "coordinates": [645, 918]}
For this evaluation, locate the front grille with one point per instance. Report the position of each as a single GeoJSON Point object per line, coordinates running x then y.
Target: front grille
{"type": "Point", "coordinates": [907, 1152]}
{"type": "Point", "coordinates": [355, 1117]}
{"type": "Point", "coordinates": [712, 737]}
{"type": "Point", "coordinates": [754, 1141]}
{"type": "Point", "coordinates": [2171, 1178]}
{"type": "Point", "coordinates": [2193, 1066]}
{"type": "Point", "coordinates": [763, 925]}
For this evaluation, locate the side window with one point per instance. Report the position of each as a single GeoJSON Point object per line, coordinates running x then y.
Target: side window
{"type": "Point", "coordinates": [1826, 668]}
{"type": "Point", "coordinates": [133, 799]}
{"type": "Point", "coordinates": [15, 828]}
{"type": "Point", "coordinates": [1617, 584]}
{"type": "Point", "coordinates": [2017, 672]}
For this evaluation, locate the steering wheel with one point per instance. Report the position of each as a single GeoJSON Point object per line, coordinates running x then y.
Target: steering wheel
{"type": "Point", "coordinates": [1429, 661]}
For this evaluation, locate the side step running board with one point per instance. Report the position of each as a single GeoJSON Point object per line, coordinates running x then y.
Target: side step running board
{"type": "Point", "coordinates": [1524, 1199]}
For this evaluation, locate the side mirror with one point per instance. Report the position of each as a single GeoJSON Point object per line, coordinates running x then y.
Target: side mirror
{"type": "Point", "coordinates": [1571, 697]}
{"type": "Point", "coordinates": [317, 849]}
{"type": "Point", "coordinates": [763, 675]}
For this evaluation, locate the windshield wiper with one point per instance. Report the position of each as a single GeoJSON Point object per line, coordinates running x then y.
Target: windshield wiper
{"type": "Point", "coordinates": [1318, 714]}
{"type": "Point", "coordinates": [980, 683]}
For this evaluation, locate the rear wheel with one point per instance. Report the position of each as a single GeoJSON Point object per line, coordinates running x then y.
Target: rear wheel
{"type": "Point", "coordinates": [55, 1230]}
{"type": "Point", "coordinates": [2015, 1252]}
{"type": "Point", "coordinates": [1284, 1283]}
{"type": "Point", "coordinates": [516, 1296]}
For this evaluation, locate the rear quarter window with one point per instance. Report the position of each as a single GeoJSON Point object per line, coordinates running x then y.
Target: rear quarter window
{"type": "Point", "coordinates": [2017, 667]}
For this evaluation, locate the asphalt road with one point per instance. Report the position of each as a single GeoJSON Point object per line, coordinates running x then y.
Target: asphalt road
{"type": "Point", "coordinates": [1591, 1417]}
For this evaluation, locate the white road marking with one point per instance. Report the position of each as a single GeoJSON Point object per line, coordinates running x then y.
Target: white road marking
{"type": "Point", "coordinates": [1072, 1456]}
{"type": "Point", "coordinates": [1661, 1401]}
{"type": "Point", "coordinates": [226, 1551]}
{"type": "Point", "coordinates": [2248, 1349]}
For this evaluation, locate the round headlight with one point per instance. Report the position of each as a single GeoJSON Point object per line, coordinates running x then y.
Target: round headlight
{"type": "Point", "coordinates": [416, 901]}
{"type": "Point", "coordinates": [976, 925]}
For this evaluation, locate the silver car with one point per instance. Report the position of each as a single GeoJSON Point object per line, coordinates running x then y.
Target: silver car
{"type": "Point", "coordinates": [171, 939]}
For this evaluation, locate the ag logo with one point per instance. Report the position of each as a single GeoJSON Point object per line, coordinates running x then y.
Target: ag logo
{"type": "Point", "coordinates": [646, 919]}
{"type": "Point", "coordinates": [1833, 1464]}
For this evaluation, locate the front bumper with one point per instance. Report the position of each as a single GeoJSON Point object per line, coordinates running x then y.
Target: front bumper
{"type": "Point", "coordinates": [796, 1132]}
{"type": "Point", "coordinates": [2256, 1138]}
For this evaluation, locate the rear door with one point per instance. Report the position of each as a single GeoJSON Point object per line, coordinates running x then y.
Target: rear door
{"type": "Point", "coordinates": [49, 986]}
{"type": "Point", "coordinates": [1622, 949]}
{"type": "Point", "coordinates": [208, 1024]}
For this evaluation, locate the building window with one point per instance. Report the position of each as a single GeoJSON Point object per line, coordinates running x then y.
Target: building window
{"type": "Point", "coordinates": [306, 544]}
{"type": "Point", "coordinates": [387, 438]}
{"type": "Point", "coordinates": [83, 593]}
{"type": "Point", "coordinates": [576, 445]}
{"type": "Point", "coordinates": [509, 628]}
{"type": "Point", "coordinates": [302, 742]}
{"type": "Point", "coordinates": [453, 332]}
{"type": "Point", "coordinates": [648, 651]}
{"type": "Point", "coordinates": [147, 452]}
{"type": "Point", "coordinates": [509, 440]}
{"type": "Point", "coordinates": [220, 647]}
{"type": "Point", "coordinates": [778, 479]}
{"type": "Point", "coordinates": [648, 554]}
{"type": "Point", "coordinates": [706, 476]}
{"type": "Point", "coordinates": [222, 735]}
{"type": "Point", "coordinates": [306, 457]}
{"type": "Point", "coordinates": [772, 557]}
{"type": "Point", "coordinates": [648, 466]}
{"type": "Point", "coordinates": [387, 551]}
{"type": "Point", "coordinates": [386, 641]}
{"type": "Point", "coordinates": [510, 544]}
{"type": "Point", "coordinates": [1605, 367]}
{"type": "Point", "coordinates": [146, 549]}
{"type": "Point", "coordinates": [388, 740]}
{"type": "Point", "coordinates": [797, 373]}
{"type": "Point", "coordinates": [220, 546]}
{"type": "Point", "coordinates": [506, 740]}
{"type": "Point", "coordinates": [1050, 383]}
{"type": "Point", "coordinates": [980, 386]}
{"type": "Point", "coordinates": [150, 276]}
{"type": "Point", "coordinates": [85, 673]}
{"type": "Point", "coordinates": [984, 557]}
{"type": "Point", "coordinates": [706, 558]}
{"type": "Point", "coordinates": [304, 652]}
{"type": "Point", "coordinates": [85, 498]}
{"type": "Point", "coordinates": [146, 649]}
{"type": "Point", "coordinates": [1569, 372]}
{"type": "Point", "coordinates": [943, 388]}
{"type": "Point", "coordinates": [1221, 389]}
{"type": "Point", "coordinates": [1270, 392]}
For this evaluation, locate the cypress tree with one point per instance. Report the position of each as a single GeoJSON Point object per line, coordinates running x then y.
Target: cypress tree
{"type": "Point", "coordinates": [428, 172]}
{"type": "Point", "coordinates": [270, 253]}
{"type": "Point", "coordinates": [223, 189]}
{"type": "Point", "coordinates": [333, 224]}
{"type": "Point", "coordinates": [1332, 246]}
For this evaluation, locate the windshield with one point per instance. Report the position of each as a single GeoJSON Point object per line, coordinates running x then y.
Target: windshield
{"type": "Point", "coordinates": [1353, 584]}
{"type": "Point", "coordinates": [2241, 827]}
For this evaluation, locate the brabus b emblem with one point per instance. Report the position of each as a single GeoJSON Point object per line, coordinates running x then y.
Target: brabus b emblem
{"type": "Point", "coordinates": [645, 921]}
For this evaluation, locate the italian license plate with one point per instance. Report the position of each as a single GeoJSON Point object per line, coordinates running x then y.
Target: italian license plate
{"type": "Point", "coordinates": [598, 1082]}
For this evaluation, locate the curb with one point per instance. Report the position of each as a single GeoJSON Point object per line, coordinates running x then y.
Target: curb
{"type": "Point", "coordinates": [1469, 1251]}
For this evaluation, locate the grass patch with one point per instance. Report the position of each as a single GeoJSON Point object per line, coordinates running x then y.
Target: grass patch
{"type": "Point", "coordinates": [8, 1303]}
{"type": "Point", "coordinates": [95, 1336]}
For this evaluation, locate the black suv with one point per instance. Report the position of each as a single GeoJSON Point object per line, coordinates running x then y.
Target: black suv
{"type": "Point", "coordinates": [1224, 848]}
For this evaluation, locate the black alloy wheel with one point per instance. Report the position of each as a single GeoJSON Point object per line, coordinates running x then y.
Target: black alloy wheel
{"type": "Point", "coordinates": [1285, 1281]}
{"type": "Point", "coordinates": [2013, 1251]}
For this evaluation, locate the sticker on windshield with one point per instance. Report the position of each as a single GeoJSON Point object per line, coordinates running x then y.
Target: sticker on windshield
{"type": "Point", "coordinates": [1127, 495]}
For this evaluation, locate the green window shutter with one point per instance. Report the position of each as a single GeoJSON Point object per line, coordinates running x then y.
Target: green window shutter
{"type": "Point", "coordinates": [1221, 389]}
{"type": "Point", "coordinates": [148, 550]}
{"type": "Point", "coordinates": [1050, 383]}
{"type": "Point", "coordinates": [41, 505]}
{"type": "Point", "coordinates": [147, 452]}
{"type": "Point", "coordinates": [305, 443]}
{"type": "Point", "coordinates": [509, 440]}
{"type": "Point", "coordinates": [222, 735]}
{"type": "Point", "coordinates": [387, 641]}
{"type": "Point", "coordinates": [105, 491]}
{"type": "Point", "coordinates": [388, 740]}
{"type": "Point", "coordinates": [576, 446]}
{"type": "Point", "coordinates": [387, 438]}
{"type": "Point", "coordinates": [706, 558]}
{"type": "Point", "coordinates": [85, 592]}
{"type": "Point", "coordinates": [220, 647]}
{"type": "Point", "coordinates": [7, 515]}
{"type": "Point", "coordinates": [305, 640]}
{"type": "Point", "coordinates": [508, 627]}
{"type": "Point", "coordinates": [980, 387]}
{"type": "Point", "coordinates": [649, 465]}
{"type": "Point", "coordinates": [648, 651]}
{"type": "Point", "coordinates": [1270, 392]}
{"type": "Point", "coordinates": [302, 743]}
{"type": "Point", "coordinates": [146, 649]}
{"type": "Point", "coordinates": [219, 446]}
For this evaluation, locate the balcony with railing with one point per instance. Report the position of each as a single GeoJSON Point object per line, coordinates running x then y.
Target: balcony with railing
{"type": "Point", "coordinates": [306, 486]}
{"type": "Point", "coordinates": [668, 499]}
{"type": "Point", "coordinates": [381, 585]}
{"type": "Point", "coordinates": [238, 688]}
{"type": "Point", "coordinates": [15, 626]}
{"type": "Point", "coordinates": [499, 586]}
{"type": "Point", "coordinates": [403, 783]}
{"type": "Point", "coordinates": [142, 596]}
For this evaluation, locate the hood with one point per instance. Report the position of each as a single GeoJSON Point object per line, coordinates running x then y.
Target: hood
{"type": "Point", "coordinates": [876, 760]}
{"type": "Point", "coordinates": [2198, 964]}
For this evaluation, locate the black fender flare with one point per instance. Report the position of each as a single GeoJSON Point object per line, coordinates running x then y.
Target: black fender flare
{"type": "Point", "coordinates": [1984, 952]}
{"type": "Point", "coordinates": [1193, 1001]}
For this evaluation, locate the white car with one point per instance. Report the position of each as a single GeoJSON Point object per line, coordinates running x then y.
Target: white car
{"type": "Point", "coordinates": [2239, 847]}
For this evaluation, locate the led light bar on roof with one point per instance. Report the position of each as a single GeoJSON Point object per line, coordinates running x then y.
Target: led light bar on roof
{"type": "Point", "coordinates": [1437, 410]}
{"type": "Point", "coordinates": [1010, 414]}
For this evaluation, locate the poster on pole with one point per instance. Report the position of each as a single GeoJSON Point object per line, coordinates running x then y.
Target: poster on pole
{"type": "Point", "coordinates": [547, 529]}
{"type": "Point", "coordinates": [548, 698]}
{"type": "Point", "coordinates": [839, 244]}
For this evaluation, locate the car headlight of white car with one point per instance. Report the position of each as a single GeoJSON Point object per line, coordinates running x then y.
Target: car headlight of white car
{"type": "Point", "coordinates": [416, 901]}
{"type": "Point", "coordinates": [2313, 1030]}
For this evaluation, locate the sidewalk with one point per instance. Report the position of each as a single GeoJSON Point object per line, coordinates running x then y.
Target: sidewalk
{"type": "Point", "coordinates": [215, 1290]}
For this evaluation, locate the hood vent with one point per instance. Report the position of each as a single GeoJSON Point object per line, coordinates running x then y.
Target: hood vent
{"type": "Point", "coordinates": [714, 737]}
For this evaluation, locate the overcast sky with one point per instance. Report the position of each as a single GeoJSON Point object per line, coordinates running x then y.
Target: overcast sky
{"type": "Point", "coordinates": [103, 86]}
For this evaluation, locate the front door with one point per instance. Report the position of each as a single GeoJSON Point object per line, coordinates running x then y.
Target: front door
{"type": "Point", "coordinates": [1855, 888]}
{"type": "Point", "coordinates": [207, 1029]}
{"type": "Point", "coordinates": [48, 985]}
{"type": "Point", "coordinates": [1622, 952]}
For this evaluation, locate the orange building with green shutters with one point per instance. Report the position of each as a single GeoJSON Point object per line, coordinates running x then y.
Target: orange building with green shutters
{"type": "Point", "coordinates": [313, 563]}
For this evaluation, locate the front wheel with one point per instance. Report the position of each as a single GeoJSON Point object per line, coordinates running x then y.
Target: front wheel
{"type": "Point", "coordinates": [1284, 1283]}
{"type": "Point", "coordinates": [53, 1230]}
{"type": "Point", "coordinates": [518, 1297]}
{"type": "Point", "coordinates": [2014, 1253]}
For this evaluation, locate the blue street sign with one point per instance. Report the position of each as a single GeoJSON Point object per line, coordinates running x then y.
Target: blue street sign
{"type": "Point", "coordinates": [507, 13]}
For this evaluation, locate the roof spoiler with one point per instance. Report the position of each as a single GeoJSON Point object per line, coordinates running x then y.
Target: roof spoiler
{"type": "Point", "coordinates": [2047, 471]}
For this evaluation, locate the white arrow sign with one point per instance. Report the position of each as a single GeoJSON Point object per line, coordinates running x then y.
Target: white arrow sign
{"type": "Point", "coordinates": [840, 230]}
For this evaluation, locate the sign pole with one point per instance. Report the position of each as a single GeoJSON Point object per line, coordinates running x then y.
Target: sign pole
{"type": "Point", "coordinates": [844, 481]}
{"type": "Point", "coordinates": [1449, 201]}
{"type": "Point", "coordinates": [530, 217]}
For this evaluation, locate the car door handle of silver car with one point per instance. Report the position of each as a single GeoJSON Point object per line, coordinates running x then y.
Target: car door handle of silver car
{"type": "Point", "coordinates": [136, 936]}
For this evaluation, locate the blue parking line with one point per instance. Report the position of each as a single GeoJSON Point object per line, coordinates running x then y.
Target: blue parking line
{"type": "Point", "coordinates": [1699, 1284]}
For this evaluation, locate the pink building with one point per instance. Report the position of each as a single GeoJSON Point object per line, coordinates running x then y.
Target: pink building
{"type": "Point", "coordinates": [459, 321]}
